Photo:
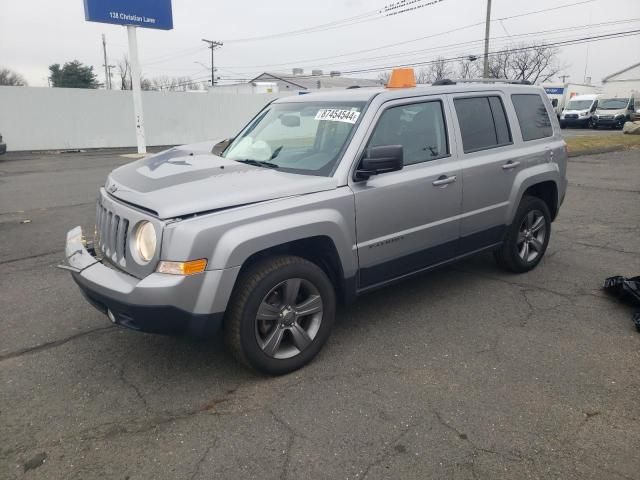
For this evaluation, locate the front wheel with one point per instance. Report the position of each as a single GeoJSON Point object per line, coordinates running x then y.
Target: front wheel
{"type": "Point", "coordinates": [280, 314]}
{"type": "Point", "coordinates": [527, 237]}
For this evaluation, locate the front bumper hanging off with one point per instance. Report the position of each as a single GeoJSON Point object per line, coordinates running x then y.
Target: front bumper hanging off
{"type": "Point", "coordinates": [158, 303]}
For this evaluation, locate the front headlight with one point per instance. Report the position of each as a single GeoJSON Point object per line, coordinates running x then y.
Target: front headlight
{"type": "Point", "coordinates": [145, 241]}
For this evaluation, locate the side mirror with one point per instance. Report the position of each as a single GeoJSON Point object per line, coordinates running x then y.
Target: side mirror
{"type": "Point", "coordinates": [220, 147]}
{"type": "Point", "coordinates": [382, 159]}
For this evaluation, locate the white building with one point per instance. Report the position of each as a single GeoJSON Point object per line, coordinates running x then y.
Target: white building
{"type": "Point", "coordinates": [623, 83]}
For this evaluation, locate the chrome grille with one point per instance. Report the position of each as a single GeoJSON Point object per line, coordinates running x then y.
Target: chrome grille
{"type": "Point", "coordinates": [111, 235]}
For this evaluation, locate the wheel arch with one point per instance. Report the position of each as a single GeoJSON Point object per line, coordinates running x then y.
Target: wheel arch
{"type": "Point", "coordinates": [320, 250]}
{"type": "Point", "coordinates": [540, 181]}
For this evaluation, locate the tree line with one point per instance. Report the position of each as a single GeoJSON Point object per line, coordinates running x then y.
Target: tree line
{"type": "Point", "coordinates": [75, 74]}
{"type": "Point", "coordinates": [536, 64]}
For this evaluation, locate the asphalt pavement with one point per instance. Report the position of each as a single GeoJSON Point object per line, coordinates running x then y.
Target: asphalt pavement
{"type": "Point", "coordinates": [464, 373]}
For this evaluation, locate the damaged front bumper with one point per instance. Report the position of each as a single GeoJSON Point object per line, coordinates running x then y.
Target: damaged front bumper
{"type": "Point", "coordinates": [158, 303]}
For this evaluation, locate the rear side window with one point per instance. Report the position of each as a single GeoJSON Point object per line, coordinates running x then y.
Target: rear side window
{"type": "Point", "coordinates": [483, 123]}
{"type": "Point", "coordinates": [532, 116]}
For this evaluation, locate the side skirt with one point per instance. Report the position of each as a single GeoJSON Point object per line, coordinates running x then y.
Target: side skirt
{"type": "Point", "coordinates": [400, 278]}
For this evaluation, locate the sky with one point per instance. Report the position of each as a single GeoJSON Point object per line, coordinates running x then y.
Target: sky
{"type": "Point", "coordinates": [37, 33]}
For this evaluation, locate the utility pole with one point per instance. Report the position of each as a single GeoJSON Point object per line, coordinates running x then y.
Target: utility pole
{"type": "Point", "coordinates": [110, 76]}
{"type": "Point", "coordinates": [107, 80]}
{"type": "Point", "coordinates": [564, 78]}
{"type": "Point", "coordinates": [486, 40]}
{"type": "Point", "coordinates": [212, 45]}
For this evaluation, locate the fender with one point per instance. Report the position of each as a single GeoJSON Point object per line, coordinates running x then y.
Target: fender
{"type": "Point", "coordinates": [528, 177]}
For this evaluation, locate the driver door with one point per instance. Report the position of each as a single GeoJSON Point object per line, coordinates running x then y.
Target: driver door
{"type": "Point", "coordinates": [408, 220]}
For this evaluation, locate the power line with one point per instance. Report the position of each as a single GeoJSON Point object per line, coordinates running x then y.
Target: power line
{"type": "Point", "coordinates": [413, 40]}
{"type": "Point", "coordinates": [468, 44]}
{"type": "Point", "coordinates": [387, 10]}
{"type": "Point", "coordinates": [512, 50]}
{"type": "Point", "coordinates": [589, 39]}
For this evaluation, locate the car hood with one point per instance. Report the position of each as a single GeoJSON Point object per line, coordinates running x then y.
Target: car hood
{"type": "Point", "coordinates": [183, 181]}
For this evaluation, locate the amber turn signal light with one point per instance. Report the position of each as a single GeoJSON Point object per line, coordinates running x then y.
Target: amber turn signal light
{"type": "Point", "coordinates": [191, 267]}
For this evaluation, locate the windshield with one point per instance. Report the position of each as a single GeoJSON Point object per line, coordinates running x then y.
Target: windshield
{"type": "Point", "coordinates": [613, 104]}
{"type": "Point", "coordinates": [297, 137]}
{"type": "Point", "coordinates": [579, 105]}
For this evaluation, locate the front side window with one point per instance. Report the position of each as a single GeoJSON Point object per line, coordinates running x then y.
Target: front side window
{"type": "Point", "coordinates": [298, 137]}
{"type": "Point", "coordinates": [483, 123]}
{"type": "Point", "coordinates": [418, 127]}
{"type": "Point", "coordinates": [532, 116]}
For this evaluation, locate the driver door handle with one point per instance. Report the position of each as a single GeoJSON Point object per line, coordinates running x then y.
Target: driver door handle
{"type": "Point", "coordinates": [444, 180]}
{"type": "Point", "coordinates": [510, 164]}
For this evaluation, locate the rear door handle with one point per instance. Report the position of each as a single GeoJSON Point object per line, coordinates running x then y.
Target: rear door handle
{"type": "Point", "coordinates": [510, 164]}
{"type": "Point", "coordinates": [444, 180]}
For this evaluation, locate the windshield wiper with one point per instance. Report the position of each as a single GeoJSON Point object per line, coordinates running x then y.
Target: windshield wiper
{"type": "Point", "coordinates": [258, 163]}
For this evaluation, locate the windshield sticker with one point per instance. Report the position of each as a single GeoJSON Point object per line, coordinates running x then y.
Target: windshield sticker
{"type": "Point", "coordinates": [337, 115]}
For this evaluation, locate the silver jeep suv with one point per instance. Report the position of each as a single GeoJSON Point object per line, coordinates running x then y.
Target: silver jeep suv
{"type": "Point", "coordinates": [321, 197]}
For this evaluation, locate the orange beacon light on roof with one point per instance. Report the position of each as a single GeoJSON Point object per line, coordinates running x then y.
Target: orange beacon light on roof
{"type": "Point", "coordinates": [402, 78]}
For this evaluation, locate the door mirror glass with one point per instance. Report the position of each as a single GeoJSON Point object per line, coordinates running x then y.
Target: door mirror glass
{"type": "Point", "coordinates": [380, 159]}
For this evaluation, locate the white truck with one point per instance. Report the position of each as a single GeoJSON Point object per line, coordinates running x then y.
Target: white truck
{"type": "Point", "coordinates": [561, 93]}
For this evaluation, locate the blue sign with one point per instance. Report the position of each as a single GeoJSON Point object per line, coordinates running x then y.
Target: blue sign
{"type": "Point", "coordinates": [141, 13]}
{"type": "Point", "coordinates": [554, 90]}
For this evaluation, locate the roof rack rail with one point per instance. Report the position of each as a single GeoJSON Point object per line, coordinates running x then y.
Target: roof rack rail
{"type": "Point", "coordinates": [448, 81]}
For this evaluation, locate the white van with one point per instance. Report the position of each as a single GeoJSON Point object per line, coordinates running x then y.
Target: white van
{"type": "Point", "coordinates": [578, 112]}
{"type": "Point", "coordinates": [561, 93]}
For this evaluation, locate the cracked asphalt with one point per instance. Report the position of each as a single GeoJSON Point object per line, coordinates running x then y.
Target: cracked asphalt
{"type": "Point", "coordinates": [464, 373]}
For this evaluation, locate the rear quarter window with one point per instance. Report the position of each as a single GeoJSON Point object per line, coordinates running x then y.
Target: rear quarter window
{"type": "Point", "coordinates": [483, 123]}
{"type": "Point", "coordinates": [532, 116]}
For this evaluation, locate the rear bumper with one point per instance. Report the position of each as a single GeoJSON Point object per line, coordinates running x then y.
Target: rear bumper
{"type": "Point", "coordinates": [158, 303]}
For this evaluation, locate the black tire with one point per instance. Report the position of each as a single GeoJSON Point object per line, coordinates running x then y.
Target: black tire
{"type": "Point", "coordinates": [252, 288]}
{"type": "Point", "coordinates": [508, 255]}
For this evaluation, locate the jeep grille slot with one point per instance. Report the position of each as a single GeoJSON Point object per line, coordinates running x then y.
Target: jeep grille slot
{"type": "Point", "coordinates": [112, 231]}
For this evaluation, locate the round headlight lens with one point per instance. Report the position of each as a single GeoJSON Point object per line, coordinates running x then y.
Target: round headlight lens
{"type": "Point", "coordinates": [146, 241]}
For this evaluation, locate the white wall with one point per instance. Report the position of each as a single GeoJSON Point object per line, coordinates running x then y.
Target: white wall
{"type": "Point", "coordinates": [33, 118]}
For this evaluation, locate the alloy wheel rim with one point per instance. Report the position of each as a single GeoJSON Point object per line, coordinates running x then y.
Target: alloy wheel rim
{"type": "Point", "coordinates": [531, 236]}
{"type": "Point", "coordinates": [288, 318]}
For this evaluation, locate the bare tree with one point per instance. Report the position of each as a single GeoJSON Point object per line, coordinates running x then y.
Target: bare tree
{"type": "Point", "coordinates": [383, 77]}
{"type": "Point", "coordinates": [176, 84]}
{"type": "Point", "coordinates": [145, 84]}
{"type": "Point", "coordinates": [422, 75]}
{"type": "Point", "coordinates": [534, 63]}
{"type": "Point", "coordinates": [11, 78]}
{"type": "Point", "coordinates": [467, 69]}
{"type": "Point", "coordinates": [438, 70]}
{"type": "Point", "coordinates": [499, 65]}
{"type": "Point", "coordinates": [124, 70]}
{"type": "Point", "coordinates": [538, 63]}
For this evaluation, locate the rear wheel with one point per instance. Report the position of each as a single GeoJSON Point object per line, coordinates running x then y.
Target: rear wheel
{"type": "Point", "coordinates": [280, 314]}
{"type": "Point", "coordinates": [527, 237]}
